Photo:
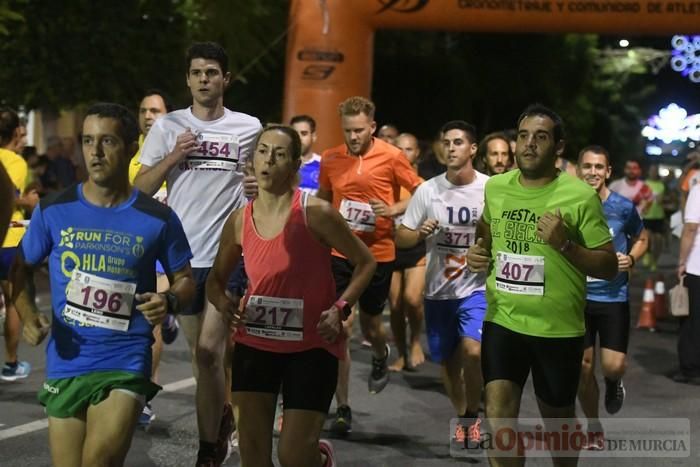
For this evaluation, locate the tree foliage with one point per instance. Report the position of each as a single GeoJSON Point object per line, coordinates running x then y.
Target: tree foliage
{"type": "Point", "coordinates": [68, 54]}
{"type": "Point", "coordinates": [254, 35]}
{"type": "Point", "coordinates": [489, 79]}
{"type": "Point", "coordinates": [7, 17]}
{"type": "Point", "coordinates": [65, 54]}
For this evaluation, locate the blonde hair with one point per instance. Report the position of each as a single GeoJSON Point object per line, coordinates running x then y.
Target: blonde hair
{"type": "Point", "coordinates": [356, 105]}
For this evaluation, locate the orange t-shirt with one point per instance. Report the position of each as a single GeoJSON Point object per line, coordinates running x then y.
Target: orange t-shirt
{"type": "Point", "coordinates": [354, 180]}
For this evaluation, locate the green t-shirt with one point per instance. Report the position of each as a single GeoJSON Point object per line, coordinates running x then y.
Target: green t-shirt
{"type": "Point", "coordinates": [656, 210]}
{"type": "Point", "coordinates": [531, 287]}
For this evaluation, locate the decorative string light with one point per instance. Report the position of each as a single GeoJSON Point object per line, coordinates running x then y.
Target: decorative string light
{"type": "Point", "coordinates": [672, 124]}
{"type": "Point", "coordinates": [685, 57]}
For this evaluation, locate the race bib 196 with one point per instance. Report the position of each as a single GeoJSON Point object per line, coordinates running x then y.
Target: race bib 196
{"type": "Point", "coordinates": [275, 318]}
{"type": "Point", "coordinates": [520, 274]}
{"type": "Point", "coordinates": [95, 301]}
{"type": "Point", "coordinates": [359, 216]}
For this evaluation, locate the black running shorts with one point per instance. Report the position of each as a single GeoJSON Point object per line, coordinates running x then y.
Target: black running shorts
{"type": "Point", "coordinates": [374, 297]}
{"type": "Point", "coordinates": [237, 284]}
{"type": "Point", "coordinates": [610, 322]}
{"type": "Point", "coordinates": [555, 362]}
{"type": "Point", "coordinates": [307, 379]}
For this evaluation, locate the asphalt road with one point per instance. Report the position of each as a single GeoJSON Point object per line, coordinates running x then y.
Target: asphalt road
{"type": "Point", "coordinates": [406, 425]}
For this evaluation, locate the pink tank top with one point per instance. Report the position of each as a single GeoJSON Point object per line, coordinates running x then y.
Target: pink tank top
{"type": "Point", "coordinates": [290, 283]}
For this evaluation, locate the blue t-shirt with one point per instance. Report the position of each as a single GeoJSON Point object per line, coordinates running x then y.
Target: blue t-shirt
{"type": "Point", "coordinates": [308, 175]}
{"type": "Point", "coordinates": [97, 256]}
{"type": "Point", "coordinates": [625, 224]}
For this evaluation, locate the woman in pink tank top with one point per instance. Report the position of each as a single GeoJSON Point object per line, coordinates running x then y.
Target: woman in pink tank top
{"type": "Point", "coordinates": [287, 328]}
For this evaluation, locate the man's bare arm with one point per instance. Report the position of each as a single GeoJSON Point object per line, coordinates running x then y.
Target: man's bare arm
{"type": "Point", "coordinates": [149, 179]}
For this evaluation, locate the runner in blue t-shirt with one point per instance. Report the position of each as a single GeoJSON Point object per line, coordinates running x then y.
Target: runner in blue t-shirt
{"type": "Point", "coordinates": [607, 311]}
{"type": "Point", "coordinates": [310, 161]}
{"type": "Point", "coordinates": [102, 239]}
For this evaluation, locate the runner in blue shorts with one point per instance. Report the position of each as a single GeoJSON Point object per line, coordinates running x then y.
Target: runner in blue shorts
{"type": "Point", "coordinates": [443, 211]}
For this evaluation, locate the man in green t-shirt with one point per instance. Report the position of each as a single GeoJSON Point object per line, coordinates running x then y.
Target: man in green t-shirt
{"type": "Point", "coordinates": [542, 232]}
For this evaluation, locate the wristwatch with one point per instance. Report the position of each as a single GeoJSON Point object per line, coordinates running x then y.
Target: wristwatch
{"type": "Point", "coordinates": [343, 306]}
{"type": "Point", "coordinates": [565, 247]}
{"type": "Point", "coordinates": [173, 303]}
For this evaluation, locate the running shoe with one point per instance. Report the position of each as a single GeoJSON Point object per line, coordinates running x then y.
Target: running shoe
{"type": "Point", "coordinates": [379, 377]}
{"type": "Point", "coordinates": [326, 448]}
{"type": "Point", "coordinates": [474, 432]}
{"type": "Point", "coordinates": [169, 329]}
{"type": "Point", "coordinates": [147, 416]}
{"type": "Point", "coordinates": [279, 417]}
{"type": "Point", "coordinates": [595, 440]}
{"type": "Point", "coordinates": [226, 428]}
{"type": "Point", "coordinates": [614, 395]}
{"type": "Point", "coordinates": [459, 434]}
{"type": "Point", "coordinates": [14, 372]}
{"type": "Point", "coordinates": [342, 424]}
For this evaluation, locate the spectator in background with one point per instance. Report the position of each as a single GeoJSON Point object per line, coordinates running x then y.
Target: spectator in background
{"type": "Point", "coordinates": [494, 156]}
{"type": "Point", "coordinates": [434, 161]}
{"type": "Point", "coordinates": [689, 274]}
{"type": "Point", "coordinates": [74, 156]}
{"type": "Point", "coordinates": [61, 171]}
{"type": "Point", "coordinates": [633, 188]}
{"type": "Point", "coordinates": [654, 219]}
{"type": "Point", "coordinates": [671, 202]}
{"type": "Point", "coordinates": [388, 132]}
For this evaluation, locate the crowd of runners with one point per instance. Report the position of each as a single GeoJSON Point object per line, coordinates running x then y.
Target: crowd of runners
{"type": "Point", "coordinates": [262, 253]}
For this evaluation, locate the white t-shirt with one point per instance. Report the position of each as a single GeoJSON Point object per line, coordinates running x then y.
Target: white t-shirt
{"type": "Point", "coordinates": [692, 215]}
{"type": "Point", "coordinates": [457, 209]}
{"type": "Point", "coordinates": [206, 185]}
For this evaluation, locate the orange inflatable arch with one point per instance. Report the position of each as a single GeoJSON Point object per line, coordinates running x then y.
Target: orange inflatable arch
{"type": "Point", "coordinates": [330, 45]}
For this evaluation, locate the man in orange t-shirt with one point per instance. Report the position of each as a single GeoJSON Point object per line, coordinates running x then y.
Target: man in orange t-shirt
{"type": "Point", "coordinates": [361, 179]}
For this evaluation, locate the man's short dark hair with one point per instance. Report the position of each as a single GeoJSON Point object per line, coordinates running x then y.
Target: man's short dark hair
{"type": "Point", "coordinates": [208, 51]}
{"type": "Point", "coordinates": [9, 122]}
{"type": "Point", "coordinates": [128, 125]}
{"type": "Point", "coordinates": [467, 128]}
{"type": "Point", "coordinates": [541, 110]}
{"type": "Point", "coordinates": [157, 92]}
{"type": "Point", "coordinates": [303, 118]}
{"type": "Point", "coordinates": [596, 149]}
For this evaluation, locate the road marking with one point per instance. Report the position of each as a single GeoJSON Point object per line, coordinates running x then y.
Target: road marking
{"type": "Point", "coordinates": [42, 424]}
{"type": "Point", "coordinates": [178, 385]}
{"type": "Point", "coordinates": [24, 429]}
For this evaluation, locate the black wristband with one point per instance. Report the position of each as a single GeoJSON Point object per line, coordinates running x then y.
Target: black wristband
{"type": "Point", "coordinates": [173, 305]}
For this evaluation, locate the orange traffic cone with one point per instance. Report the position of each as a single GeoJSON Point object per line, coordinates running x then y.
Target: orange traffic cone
{"type": "Point", "coordinates": [647, 319]}
{"type": "Point", "coordinates": [660, 308]}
